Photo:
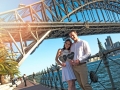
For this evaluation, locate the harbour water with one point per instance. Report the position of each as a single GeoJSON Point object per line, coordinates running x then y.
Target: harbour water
{"type": "Point", "coordinates": [103, 77]}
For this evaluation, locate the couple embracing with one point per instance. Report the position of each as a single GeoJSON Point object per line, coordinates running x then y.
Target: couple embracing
{"type": "Point", "coordinates": [75, 69]}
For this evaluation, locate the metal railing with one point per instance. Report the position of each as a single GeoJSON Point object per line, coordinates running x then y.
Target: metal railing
{"type": "Point", "coordinates": [52, 76]}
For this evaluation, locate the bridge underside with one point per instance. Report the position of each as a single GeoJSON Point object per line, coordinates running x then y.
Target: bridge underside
{"type": "Point", "coordinates": [35, 33]}
{"type": "Point", "coordinates": [30, 31]}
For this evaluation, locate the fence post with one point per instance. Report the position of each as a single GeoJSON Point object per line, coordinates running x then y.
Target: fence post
{"type": "Point", "coordinates": [58, 68]}
{"type": "Point", "coordinates": [52, 70]}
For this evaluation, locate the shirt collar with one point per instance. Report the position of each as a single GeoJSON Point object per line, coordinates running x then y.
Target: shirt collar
{"type": "Point", "coordinates": [77, 41]}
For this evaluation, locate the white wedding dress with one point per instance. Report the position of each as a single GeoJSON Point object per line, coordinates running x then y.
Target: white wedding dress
{"type": "Point", "coordinates": [67, 72]}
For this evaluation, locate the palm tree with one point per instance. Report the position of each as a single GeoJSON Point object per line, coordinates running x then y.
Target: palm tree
{"type": "Point", "coordinates": [8, 65]}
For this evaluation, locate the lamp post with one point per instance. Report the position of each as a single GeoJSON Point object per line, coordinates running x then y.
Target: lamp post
{"type": "Point", "coordinates": [103, 56]}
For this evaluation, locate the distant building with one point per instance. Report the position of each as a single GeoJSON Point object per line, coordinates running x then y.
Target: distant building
{"type": "Point", "coordinates": [94, 59]}
{"type": "Point", "coordinates": [117, 44]}
{"type": "Point", "coordinates": [110, 45]}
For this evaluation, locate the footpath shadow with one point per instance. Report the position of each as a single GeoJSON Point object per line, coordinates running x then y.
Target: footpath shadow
{"type": "Point", "coordinates": [36, 87]}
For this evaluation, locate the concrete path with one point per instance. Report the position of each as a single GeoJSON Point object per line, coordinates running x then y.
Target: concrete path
{"type": "Point", "coordinates": [31, 86]}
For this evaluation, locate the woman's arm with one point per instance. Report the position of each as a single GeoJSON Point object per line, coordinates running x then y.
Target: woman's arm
{"type": "Point", "coordinates": [57, 55]}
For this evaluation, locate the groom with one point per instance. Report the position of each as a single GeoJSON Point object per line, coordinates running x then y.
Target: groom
{"type": "Point", "coordinates": [81, 53]}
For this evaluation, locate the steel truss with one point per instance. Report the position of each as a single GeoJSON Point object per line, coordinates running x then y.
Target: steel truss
{"type": "Point", "coordinates": [30, 25]}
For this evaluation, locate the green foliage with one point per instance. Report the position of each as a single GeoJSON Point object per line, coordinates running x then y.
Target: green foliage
{"type": "Point", "coordinates": [8, 64]}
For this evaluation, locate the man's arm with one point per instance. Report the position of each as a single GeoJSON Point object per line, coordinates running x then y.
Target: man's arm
{"type": "Point", "coordinates": [87, 52]}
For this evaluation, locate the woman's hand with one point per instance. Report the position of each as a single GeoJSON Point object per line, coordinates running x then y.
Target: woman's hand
{"type": "Point", "coordinates": [63, 65]}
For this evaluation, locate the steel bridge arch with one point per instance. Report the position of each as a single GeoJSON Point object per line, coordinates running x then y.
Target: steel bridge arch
{"type": "Point", "coordinates": [55, 16]}
{"type": "Point", "coordinates": [104, 6]}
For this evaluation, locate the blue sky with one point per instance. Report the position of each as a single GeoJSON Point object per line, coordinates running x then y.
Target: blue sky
{"type": "Point", "coordinates": [44, 56]}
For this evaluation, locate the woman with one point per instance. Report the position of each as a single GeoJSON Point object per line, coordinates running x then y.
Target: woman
{"type": "Point", "coordinates": [67, 72]}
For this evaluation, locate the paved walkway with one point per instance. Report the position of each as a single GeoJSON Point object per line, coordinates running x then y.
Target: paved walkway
{"type": "Point", "coordinates": [31, 86]}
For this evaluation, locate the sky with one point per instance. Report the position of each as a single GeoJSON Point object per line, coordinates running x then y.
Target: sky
{"type": "Point", "coordinates": [44, 55]}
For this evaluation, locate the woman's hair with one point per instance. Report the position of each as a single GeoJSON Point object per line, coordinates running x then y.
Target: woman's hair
{"type": "Point", "coordinates": [70, 44]}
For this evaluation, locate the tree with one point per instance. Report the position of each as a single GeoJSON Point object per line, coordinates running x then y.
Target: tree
{"type": "Point", "coordinates": [8, 64]}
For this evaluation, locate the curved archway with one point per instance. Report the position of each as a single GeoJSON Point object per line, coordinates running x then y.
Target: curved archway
{"type": "Point", "coordinates": [111, 6]}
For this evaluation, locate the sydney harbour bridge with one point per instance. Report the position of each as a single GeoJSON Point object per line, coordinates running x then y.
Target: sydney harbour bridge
{"type": "Point", "coordinates": [25, 27]}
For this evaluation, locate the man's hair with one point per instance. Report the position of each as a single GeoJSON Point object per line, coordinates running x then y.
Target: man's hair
{"type": "Point", "coordinates": [72, 31]}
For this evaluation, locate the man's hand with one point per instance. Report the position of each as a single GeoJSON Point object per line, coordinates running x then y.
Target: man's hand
{"type": "Point", "coordinates": [72, 62]}
{"type": "Point", "coordinates": [77, 62]}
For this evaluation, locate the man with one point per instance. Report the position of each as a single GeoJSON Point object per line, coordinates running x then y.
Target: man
{"type": "Point", "coordinates": [25, 78]}
{"type": "Point", "coordinates": [33, 75]}
{"type": "Point", "coordinates": [34, 78]}
{"type": "Point", "coordinates": [14, 80]}
{"type": "Point", "coordinates": [81, 53]}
